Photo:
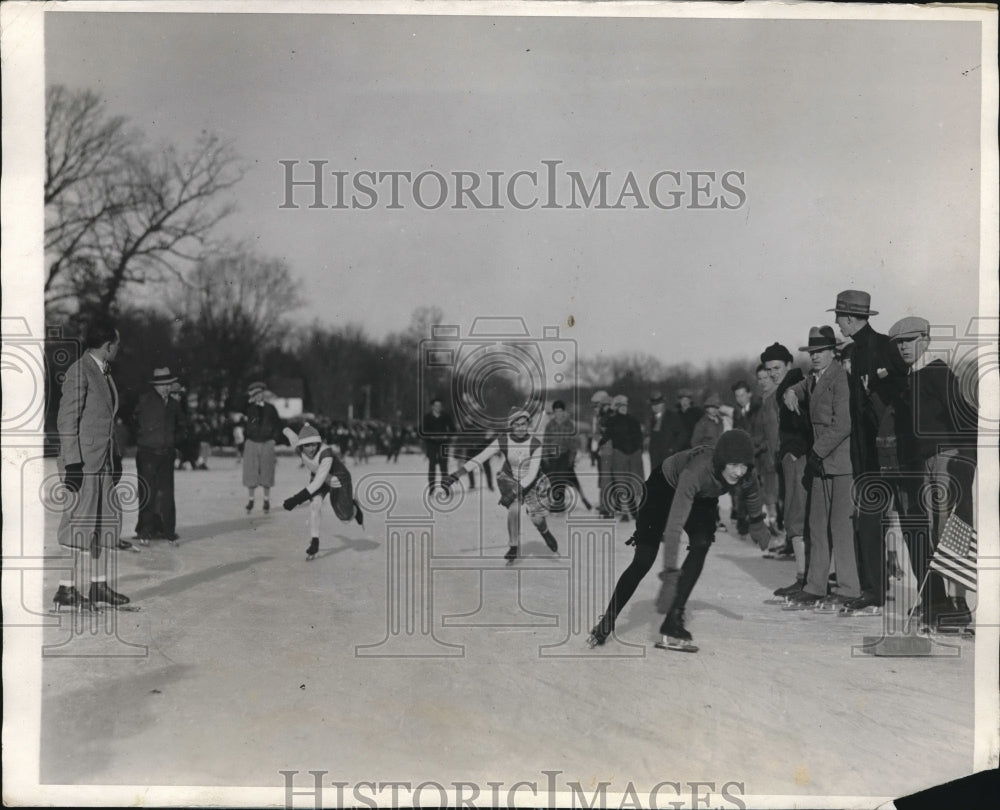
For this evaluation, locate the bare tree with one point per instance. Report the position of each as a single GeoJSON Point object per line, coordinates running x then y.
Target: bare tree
{"type": "Point", "coordinates": [117, 214]}
{"type": "Point", "coordinates": [232, 308]}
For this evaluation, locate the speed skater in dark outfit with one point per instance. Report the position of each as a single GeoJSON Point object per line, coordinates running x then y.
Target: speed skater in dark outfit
{"type": "Point", "coordinates": [520, 480]}
{"type": "Point", "coordinates": [328, 477]}
{"type": "Point", "coordinates": [683, 494]}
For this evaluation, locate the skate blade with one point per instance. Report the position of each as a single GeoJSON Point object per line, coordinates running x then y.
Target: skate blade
{"type": "Point", "coordinates": [678, 646]}
{"type": "Point", "coordinates": [868, 611]}
{"type": "Point", "coordinates": [826, 609]}
{"type": "Point", "coordinates": [124, 608]}
{"type": "Point", "coordinates": [799, 606]}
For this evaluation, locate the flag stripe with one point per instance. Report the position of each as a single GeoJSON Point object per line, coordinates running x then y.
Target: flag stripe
{"type": "Point", "coordinates": [956, 554]}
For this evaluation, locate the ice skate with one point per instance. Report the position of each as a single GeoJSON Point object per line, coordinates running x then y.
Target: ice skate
{"type": "Point", "coordinates": [70, 597]}
{"type": "Point", "coordinates": [359, 516]}
{"type": "Point", "coordinates": [600, 632]}
{"type": "Point", "coordinates": [674, 635]}
{"type": "Point", "coordinates": [511, 555]}
{"type": "Point", "coordinates": [550, 541]}
{"type": "Point", "coordinates": [249, 507]}
{"type": "Point", "coordinates": [783, 595]}
{"type": "Point", "coordinates": [832, 604]}
{"type": "Point", "coordinates": [267, 507]}
{"type": "Point", "coordinates": [101, 594]}
{"type": "Point", "coordinates": [862, 606]}
{"type": "Point", "coordinates": [803, 601]}
{"type": "Point", "coordinates": [313, 549]}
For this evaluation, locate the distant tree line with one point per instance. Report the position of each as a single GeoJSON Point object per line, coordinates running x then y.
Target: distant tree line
{"type": "Point", "coordinates": [131, 230]}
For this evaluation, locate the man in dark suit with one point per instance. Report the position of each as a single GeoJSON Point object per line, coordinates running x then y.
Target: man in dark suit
{"type": "Point", "coordinates": [91, 466]}
{"type": "Point", "coordinates": [438, 430]}
{"type": "Point", "coordinates": [666, 431]}
{"type": "Point", "coordinates": [159, 428]}
{"type": "Point", "coordinates": [877, 376]}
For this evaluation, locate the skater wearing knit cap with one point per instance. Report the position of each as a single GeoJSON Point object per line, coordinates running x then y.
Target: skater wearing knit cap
{"type": "Point", "coordinates": [520, 480]}
{"type": "Point", "coordinates": [683, 495]}
{"type": "Point", "coordinates": [262, 430]}
{"type": "Point", "coordinates": [328, 476]}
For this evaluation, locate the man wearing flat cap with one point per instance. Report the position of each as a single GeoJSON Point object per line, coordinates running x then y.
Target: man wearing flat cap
{"type": "Point", "coordinates": [936, 434]}
{"type": "Point", "coordinates": [159, 425]}
{"type": "Point", "coordinates": [877, 376]}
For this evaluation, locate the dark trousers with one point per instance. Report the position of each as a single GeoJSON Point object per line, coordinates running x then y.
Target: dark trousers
{"type": "Point", "coordinates": [436, 459]}
{"type": "Point", "coordinates": [156, 492]}
{"type": "Point", "coordinates": [649, 526]}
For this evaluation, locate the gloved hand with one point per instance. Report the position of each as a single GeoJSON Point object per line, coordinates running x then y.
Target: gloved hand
{"type": "Point", "coordinates": [73, 477]}
{"type": "Point", "coordinates": [759, 532]}
{"type": "Point", "coordinates": [116, 469]}
{"type": "Point", "coordinates": [299, 497]}
{"type": "Point", "coordinates": [814, 464]}
{"type": "Point", "coordinates": [508, 497]}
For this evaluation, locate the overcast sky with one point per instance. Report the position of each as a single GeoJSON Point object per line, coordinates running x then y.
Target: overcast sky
{"type": "Point", "coordinates": [858, 143]}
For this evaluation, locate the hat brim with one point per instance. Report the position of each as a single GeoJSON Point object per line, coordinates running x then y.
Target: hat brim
{"type": "Point", "coordinates": [907, 336]}
{"type": "Point", "coordinates": [812, 349]}
{"type": "Point", "coordinates": [866, 312]}
{"type": "Point", "coordinates": [165, 381]}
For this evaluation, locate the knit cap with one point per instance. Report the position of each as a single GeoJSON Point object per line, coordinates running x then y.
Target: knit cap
{"type": "Point", "coordinates": [733, 447]}
{"type": "Point", "coordinates": [308, 435]}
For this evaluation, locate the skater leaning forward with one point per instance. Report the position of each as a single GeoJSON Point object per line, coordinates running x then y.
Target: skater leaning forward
{"type": "Point", "coordinates": [682, 494]}
{"type": "Point", "coordinates": [520, 480]}
{"type": "Point", "coordinates": [328, 475]}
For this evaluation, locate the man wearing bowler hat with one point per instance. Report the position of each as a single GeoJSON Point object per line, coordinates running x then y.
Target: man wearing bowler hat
{"type": "Point", "coordinates": [159, 426]}
{"type": "Point", "coordinates": [877, 375]}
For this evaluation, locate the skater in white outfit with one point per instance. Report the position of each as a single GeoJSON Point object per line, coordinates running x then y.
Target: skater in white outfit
{"type": "Point", "coordinates": [521, 480]}
{"type": "Point", "coordinates": [328, 475]}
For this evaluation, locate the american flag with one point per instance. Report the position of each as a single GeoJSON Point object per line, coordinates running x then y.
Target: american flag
{"type": "Point", "coordinates": [955, 556]}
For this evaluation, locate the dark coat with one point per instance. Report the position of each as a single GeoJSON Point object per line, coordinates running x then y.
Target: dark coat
{"type": "Point", "coordinates": [878, 375]}
{"type": "Point", "coordinates": [666, 437]}
{"type": "Point", "coordinates": [159, 424]}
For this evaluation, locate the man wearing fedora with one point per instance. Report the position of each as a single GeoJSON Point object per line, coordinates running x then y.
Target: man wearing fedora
{"type": "Point", "coordinates": [91, 466]}
{"type": "Point", "coordinates": [623, 434]}
{"type": "Point", "coordinates": [666, 431]}
{"type": "Point", "coordinates": [689, 414]}
{"type": "Point", "coordinates": [878, 374]}
{"type": "Point", "coordinates": [262, 430]}
{"type": "Point", "coordinates": [828, 466]}
{"type": "Point", "coordinates": [159, 426]}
